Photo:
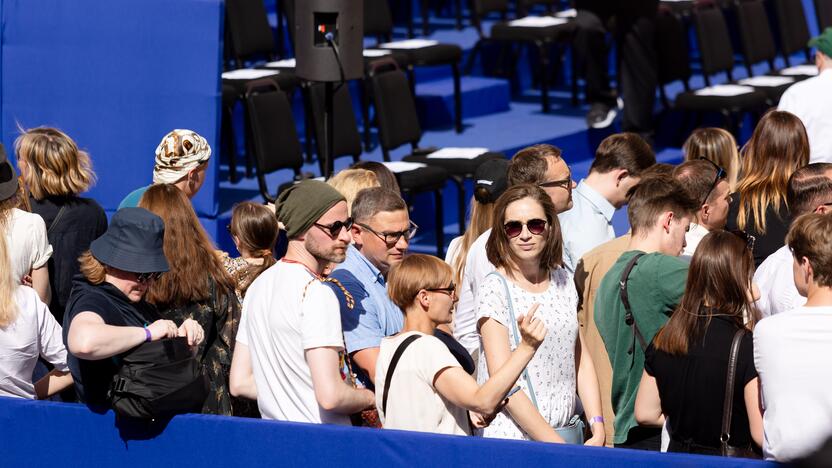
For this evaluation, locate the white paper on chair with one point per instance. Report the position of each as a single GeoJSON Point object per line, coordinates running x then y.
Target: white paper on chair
{"type": "Point", "coordinates": [248, 74]}
{"type": "Point", "coordinates": [457, 153]}
{"type": "Point", "coordinates": [800, 70]}
{"type": "Point", "coordinates": [410, 44]}
{"type": "Point", "coordinates": [725, 90]}
{"type": "Point", "coordinates": [767, 81]}
{"type": "Point", "coordinates": [570, 13]}
{"type": "Point", "coordinates": [537, 22]}
{"type": "Point", "coordinates": [285, 63]}
{"type": "Point", "coordinates": [403, 166]}
{"type": "Point", "coordinates": [371, 53]}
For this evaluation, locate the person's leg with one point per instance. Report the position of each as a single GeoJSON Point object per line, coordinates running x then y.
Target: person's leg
{"type": "Point", "coordinates": [639, 76]}
{"type": "Point", "coordinates": [590, 49]}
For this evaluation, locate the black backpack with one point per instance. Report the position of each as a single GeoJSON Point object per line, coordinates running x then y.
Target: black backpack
{"type": "Point", "coordinates": [157, 380]}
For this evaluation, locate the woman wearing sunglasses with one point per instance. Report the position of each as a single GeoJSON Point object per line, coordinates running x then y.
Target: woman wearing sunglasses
{"type": "Point", "coordinates": [420, 386]}
{"type": "Point", "coordinates": [685, 367]}
{"type": "Point", "coordinates": [106, 315]}
{"type": "Point", "coordinates": [526, 247]}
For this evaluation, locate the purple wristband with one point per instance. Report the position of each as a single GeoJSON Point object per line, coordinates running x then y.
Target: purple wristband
{"type": "Point", "coordinates": [596, 419]}
{"type": "Point", "coordinates": [147, 335]}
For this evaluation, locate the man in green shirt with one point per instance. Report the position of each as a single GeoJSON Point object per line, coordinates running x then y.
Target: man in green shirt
{"type": "Point", "coordinates": [660, 212]}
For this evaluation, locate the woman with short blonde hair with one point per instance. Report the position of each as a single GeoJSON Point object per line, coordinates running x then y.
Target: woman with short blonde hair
{"type": "Point", "coordinates": [718, 146]}
{"type": "Point", "coordinates": [56, 172]}
{"type": "Point", "coordinates": [351, 181]}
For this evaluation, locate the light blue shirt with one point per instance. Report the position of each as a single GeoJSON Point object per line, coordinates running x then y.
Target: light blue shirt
{"type": "Point", "coordinates": [374, 315]}
{"type": "Point", "coordinates": [587, 225]}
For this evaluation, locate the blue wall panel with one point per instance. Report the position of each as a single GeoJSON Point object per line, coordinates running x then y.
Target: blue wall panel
{"type": "Point", "coordinates": [35, 433]}
{"type": "Point", "coordinates": [116, 75]}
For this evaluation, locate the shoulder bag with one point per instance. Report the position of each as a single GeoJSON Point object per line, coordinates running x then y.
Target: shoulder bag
{"type": "Point", "coordinates": [728, 405]}
{"type": "Point", "coordinates": [625, 300]}
{"type": "Point", "coordinates": [573, 431]}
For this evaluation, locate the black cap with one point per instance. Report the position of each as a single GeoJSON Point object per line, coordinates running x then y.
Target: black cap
{"type": "Point", "coordinates": [491, 180]}
{"type": "Point", "coordinates": [134, 242]}
{"type": "Point", "coordinates": [8, 177]}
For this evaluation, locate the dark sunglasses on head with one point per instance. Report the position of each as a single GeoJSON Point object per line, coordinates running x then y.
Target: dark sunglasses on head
{"type": "Point", "coordinates": [450, 290]}
{"type": "Point", "coordinates": [145, 277]}
{"type": "Point", "coordinates": [720, 174]}
{"type": "Point", "coordinates": [514, 228]}
{"type": "Point", "coordinates": [335, 228]}
{"type": "Point", "coordinates": [746, 237]}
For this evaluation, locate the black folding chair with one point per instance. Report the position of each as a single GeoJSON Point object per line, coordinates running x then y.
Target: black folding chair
{"type": "Point", "coordinates": [542, 39]}
{"type": "Point", "coordinates": [794, 29]}
{"type": "Point", "coordinates": [823, 11]}
{"type": "Point", "coordinates": [273, 135]}
{"type": "Point", "coordinates": [399, 125]}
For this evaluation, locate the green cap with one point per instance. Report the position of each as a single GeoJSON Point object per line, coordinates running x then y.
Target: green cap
{"type": "Point", "coordinates": [823, 42]}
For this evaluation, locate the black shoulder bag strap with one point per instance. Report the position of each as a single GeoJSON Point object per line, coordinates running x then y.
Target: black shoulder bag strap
{"type": "Point", "coordinates": [55, 221]}
{"type": "Point", "coordinates": [625, 299]}
{"type": "Point", "coordinates": [393, 362]}
{"type": "Point", "coordinates": [728, 405]}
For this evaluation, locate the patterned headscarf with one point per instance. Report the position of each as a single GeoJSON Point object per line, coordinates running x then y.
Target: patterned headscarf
{"type": "Point", "coordinates": [179, 152]}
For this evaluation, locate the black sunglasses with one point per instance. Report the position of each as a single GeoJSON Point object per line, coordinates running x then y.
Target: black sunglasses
{"type": "Point", "coordinates": [720, 174]}
{"type": "Point", "coordinates": [563, 183]}
{"type": "Point", "coordinates": [391, 238]}
{"type": "Point", "coordinates": [145, 277]}
{"type": "Point", "coordinates": [514, 228]}
{"type": "Point", "coordinates": [335, 228]}
{"type": "Point", "coordinates": [745, 237]}
{"type": "Point", "coordinates": [450, 290]}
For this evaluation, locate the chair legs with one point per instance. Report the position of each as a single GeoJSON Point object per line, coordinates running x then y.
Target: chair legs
{"type": "Point", "coordinates": [227, 128]}
{"type": "Point", "coordinates": [543, 53]}
{"type": "Point", "coordinates": [457, 98]}
{"type": "Point", "coordinates": [460, 188]}
{"type": "Point", "coordinates": [440, 224]}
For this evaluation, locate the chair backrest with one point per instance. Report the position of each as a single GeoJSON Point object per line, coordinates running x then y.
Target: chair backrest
{"type": "Point", "coordinates": [398, 121]}
{"type": "Point", "coordinates": [378, 19]}
{"type": "Point", "coordinates": [794, 30]}
{"type": "Point", "coordinates": [347, 138]}
{"type": "Point", "coordinates": [274, 137]}
{"type": "Point", "coordinates": [672, 48]}
{"type": "Point", "coordinates": [823, 11]}
{"type": "Point", "coordinates": [248, 29]}
{"type": "Point", "coordinates": [482, 8]}
{"type": "Point", "coordinates": [714, 41]}
{"type": "Point", "coordinates": [755, 31]}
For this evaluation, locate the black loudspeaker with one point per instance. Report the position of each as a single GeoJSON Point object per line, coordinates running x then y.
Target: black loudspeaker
{"type": "Point", "coordinates": [320, 24]}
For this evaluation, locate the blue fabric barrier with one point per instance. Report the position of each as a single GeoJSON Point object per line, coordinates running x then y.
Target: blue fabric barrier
{"type": "Point", "coordinates": [36, 433]}
{"type": "Point", "coordinates": [116, 75]}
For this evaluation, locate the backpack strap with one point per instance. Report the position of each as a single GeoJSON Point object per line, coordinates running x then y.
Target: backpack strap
{"type": "Point", "coordinates": [625, 299]}
{"type": "Point", "coordinates": [728, 404]}
{"type": "Point", "coordinates": [56, 220]}
{"type": "Point", "coordinates": [393, 363]}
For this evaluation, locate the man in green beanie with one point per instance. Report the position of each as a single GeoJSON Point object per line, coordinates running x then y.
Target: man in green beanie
{"type": "Point", "coordinates": [289, 341]}
{"type": "Point", "coordinates": [811, 100]}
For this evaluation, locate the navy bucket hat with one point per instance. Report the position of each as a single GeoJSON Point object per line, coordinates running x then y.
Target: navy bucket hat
{"type": "Point", "coordinates": [134, 242]}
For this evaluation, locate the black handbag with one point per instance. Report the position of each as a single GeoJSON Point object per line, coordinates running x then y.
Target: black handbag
{"type": "Point", "coordinates": [157, 380]}
{"type": "Point", "coordinates": [728, 406]}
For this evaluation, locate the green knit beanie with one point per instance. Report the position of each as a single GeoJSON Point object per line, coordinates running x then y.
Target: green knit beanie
{"type": "Point", "coordinates": [301, 205]}
{"type": "Point", "coordinates": [823, 42]}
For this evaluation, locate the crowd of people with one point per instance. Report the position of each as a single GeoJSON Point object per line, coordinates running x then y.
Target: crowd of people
{"type": "Point", "coordinates": [704, 329]}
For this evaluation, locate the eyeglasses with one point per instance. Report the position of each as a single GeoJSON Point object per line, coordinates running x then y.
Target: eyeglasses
{"type": "Point", "coordinates": [450, 290]}
{"type": "Point", "coordinates": [335, 228]}
{"type": "Point", "coordinates": [145, 277]}
{"type": "Point", "coordinates": [562, 183]}
{"type": "Point", "coordinates": [514, 228]}
{"type": "Point", "coordinates": [720, 174]}
{"type": "Point", "coordinates": [745, 237]}
{"type": "Point", "coordinates": [391, 238]}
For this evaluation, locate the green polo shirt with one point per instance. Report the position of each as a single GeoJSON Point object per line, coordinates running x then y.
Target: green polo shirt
{"type": "Point", "coordinates": [655, 287]}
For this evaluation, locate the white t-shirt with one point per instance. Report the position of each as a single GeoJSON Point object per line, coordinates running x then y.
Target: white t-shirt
{"type": "Point", "coordinates": [414, 404]}
{"type": "Point", "coordinates": [811, 101]}
{"type": "Point", "coordinates": [792, 356]}
{"type": "Point", "coordinates": [775, 280]}
{"type": "Point", "coordinates": [552, 370]}
{"type": "Point", "coordinates": [477, 267]}
{"type": "Point", "coordinates": [279, 322]}
{"type": "Point", "coordinates": [28, 246]}
{"type": "Point", "coordinates": [35, 333]}
{"type": "Point", "coordinates": [692, 239]}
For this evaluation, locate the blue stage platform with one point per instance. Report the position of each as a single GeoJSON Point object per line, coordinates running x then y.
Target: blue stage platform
{"type": "Point", "coordinates": [46, 434]}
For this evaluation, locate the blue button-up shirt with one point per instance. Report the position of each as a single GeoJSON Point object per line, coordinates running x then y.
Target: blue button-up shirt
{"type": "Point", "coordinates": [587, 225]}
{"type": "Point", "coordinates": [374, 315]}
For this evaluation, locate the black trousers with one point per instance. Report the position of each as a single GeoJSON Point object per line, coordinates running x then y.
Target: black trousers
{"type": "Point", "coordinates": [638, 75]}
{"type": "Point", "coordinates": [643, 438]}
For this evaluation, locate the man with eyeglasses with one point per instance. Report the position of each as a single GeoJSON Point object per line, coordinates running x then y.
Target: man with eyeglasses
{"type": "Point", "coordinates": [381, 234]}
{"type": "Point", "coordinates": [619, 161]}
{"type": "Point", "coordinates": [289, 343]}
{"type": "Point", "coordinates": [809, 191]}
{"type": "Point", "coordinates": [708, 183]}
